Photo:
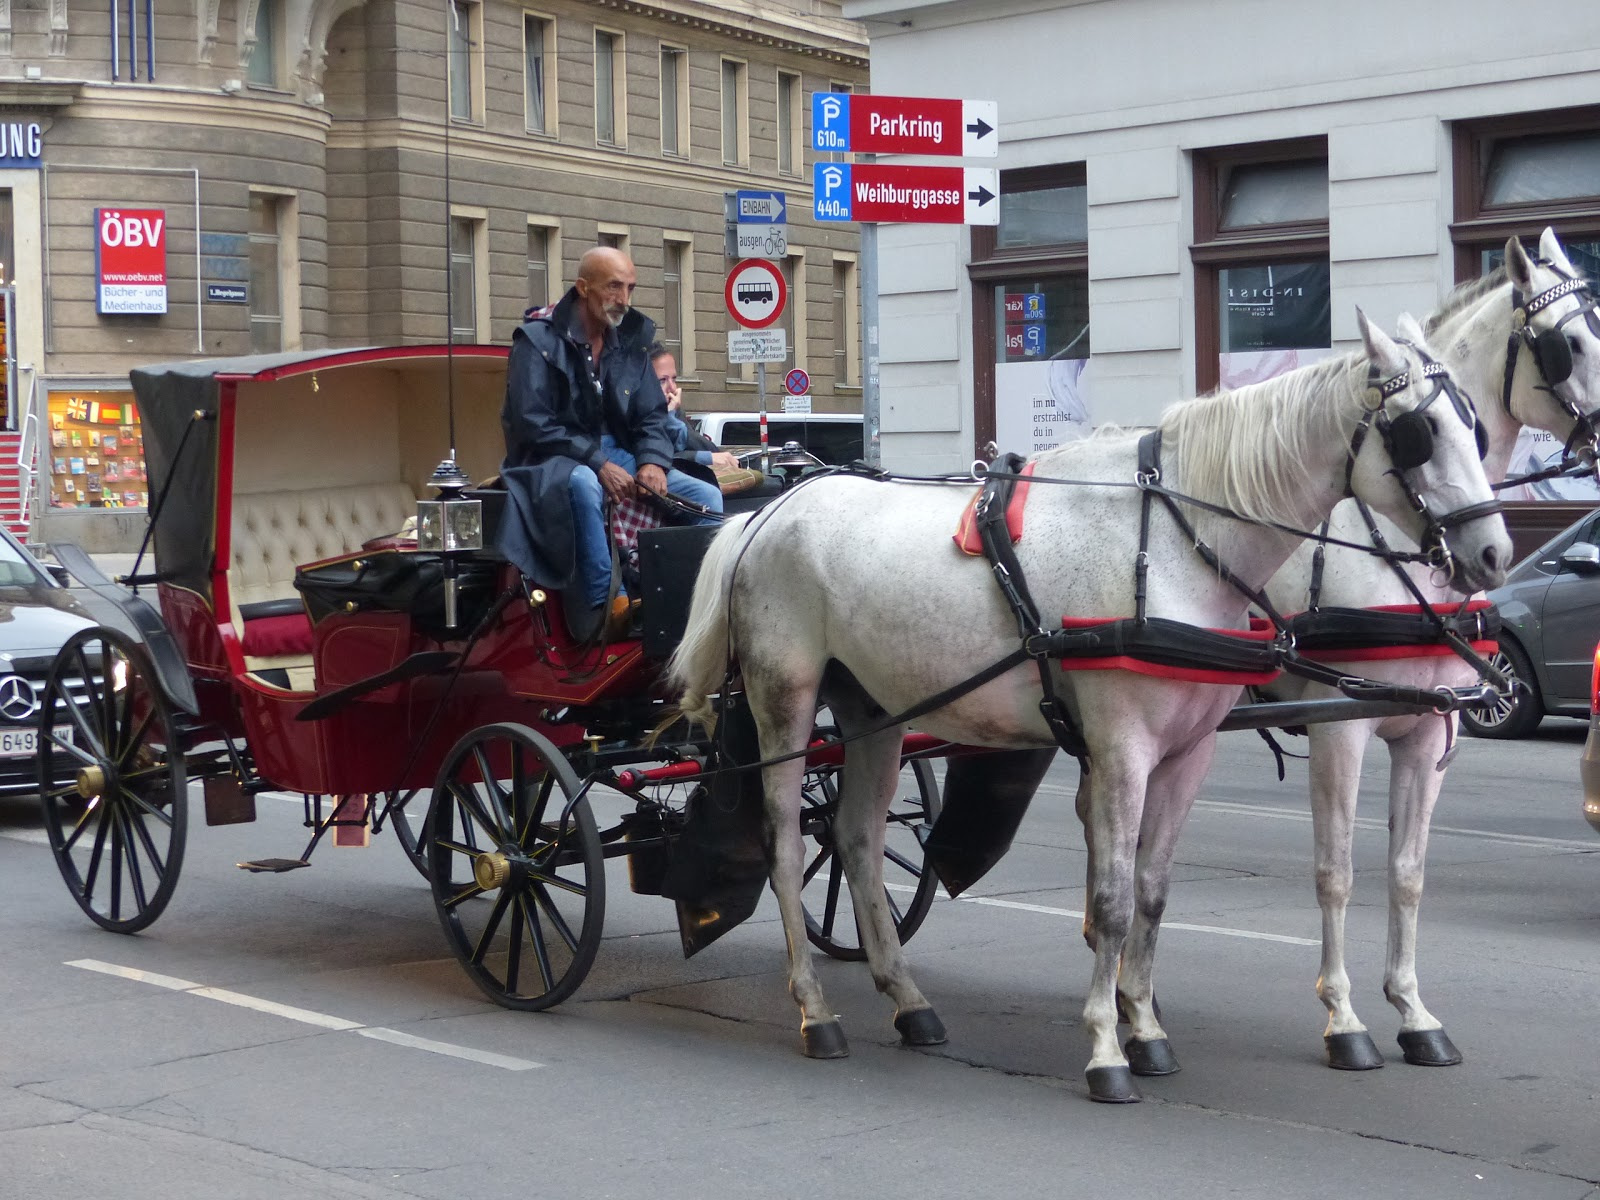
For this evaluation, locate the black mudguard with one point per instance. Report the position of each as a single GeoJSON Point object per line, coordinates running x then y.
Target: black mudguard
{"type": "Point", "coordinates": [718, 862]}
{"type": "Point", "coordinates": [145, 622]}
{"type": "Point", "coordinates": [985, 798]}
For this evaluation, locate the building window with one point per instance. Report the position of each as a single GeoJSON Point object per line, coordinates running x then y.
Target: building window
{"type": "Point", "coordinates": [1515, 175]}
{"type": "Point", "coordinates": [674, 101]}
{"type": "Point", "coordinates": [843, 89]}
{"type": "Point", "coordinates": [274, 273]}
{"type": "Point", "coordinates": [1030, 288]}
{"type": "Point", "coordinates": [735, 113]}
{"type": "Point", "coordinates": [615, 236]}
{"type": "Point", "coordinates": [465, 234]}
{"type": "Point", "coordinates": [262, 70]}
{"type": "Point", "coordinates": [538, 79]}
{"type": "Point", "coordinates": [846, 323]}
{"type": "Point", "coordinates": [1262, 284]}
{"type": "Point", "coordinates": [465, 35]}
{"type": "Point", "coordinates": [610, 89]}
{"type": "Point", "coordinates": [677, 306]}
{"type": "Point", "coordinates": [541, 240]}
{"type": "Point", "coordinates": [790, 155]}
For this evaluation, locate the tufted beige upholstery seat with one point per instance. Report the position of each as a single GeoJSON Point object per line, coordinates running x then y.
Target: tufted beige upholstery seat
{"type": "Point", "coordinates": [275, 532]}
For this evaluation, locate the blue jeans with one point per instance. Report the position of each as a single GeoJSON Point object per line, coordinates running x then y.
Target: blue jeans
{"type": "Point", "coordinates": [589, 519]}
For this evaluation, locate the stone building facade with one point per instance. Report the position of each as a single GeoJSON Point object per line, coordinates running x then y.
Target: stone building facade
{"type": "Point", "coordinates": [361, 172]}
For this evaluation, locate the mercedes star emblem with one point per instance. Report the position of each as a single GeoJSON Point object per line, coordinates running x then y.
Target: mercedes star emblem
{"type": "Point", "coordinates": [18, 701]}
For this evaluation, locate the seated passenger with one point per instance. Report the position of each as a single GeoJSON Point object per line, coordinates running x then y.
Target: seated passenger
{"type": "Point", "coordinates": [685, 441]}
{"type": "Point", "coordinates": [585, 419]}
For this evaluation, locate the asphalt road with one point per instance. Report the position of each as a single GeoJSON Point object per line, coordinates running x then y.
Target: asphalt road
{"type": "Point", "coordinates": [307, 1035]}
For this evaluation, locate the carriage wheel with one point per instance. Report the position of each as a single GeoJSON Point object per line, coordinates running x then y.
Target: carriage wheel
{"type": "Point", "coordinates": [518, 880]}
{"type": "Point", "coordinates": [909, 884]}
{"type": "Point", "coordinates": [112, 780]}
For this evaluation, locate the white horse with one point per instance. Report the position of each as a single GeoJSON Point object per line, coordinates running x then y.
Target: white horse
{"type": "Point", "coordinates": [850, 587]}
{"type": "Point", "coordinates": [1472, 332]}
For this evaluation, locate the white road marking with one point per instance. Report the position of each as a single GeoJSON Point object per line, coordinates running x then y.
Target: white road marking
{"type": "Point", "coordinates": [305, 1015]}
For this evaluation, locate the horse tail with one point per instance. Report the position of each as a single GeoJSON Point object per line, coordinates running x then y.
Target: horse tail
{"type": "Point", "coordinates": [700, 663]}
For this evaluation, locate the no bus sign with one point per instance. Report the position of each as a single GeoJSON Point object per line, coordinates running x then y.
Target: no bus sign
{"type": "Point", "coordinates": [755, 293]}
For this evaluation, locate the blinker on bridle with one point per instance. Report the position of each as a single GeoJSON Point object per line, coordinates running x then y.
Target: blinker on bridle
{"type": "Point", "coordinates": [1552, 354]}
{"type": "Point", "coordinates": [1409, 442]}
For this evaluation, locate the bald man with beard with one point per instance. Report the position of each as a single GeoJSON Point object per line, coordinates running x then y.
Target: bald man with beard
{"type": "Point", "coordinates": [584, 419]}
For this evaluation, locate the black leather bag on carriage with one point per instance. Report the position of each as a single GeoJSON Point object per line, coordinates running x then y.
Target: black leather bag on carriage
{"type": "Point", "coordinates": [400, 581]}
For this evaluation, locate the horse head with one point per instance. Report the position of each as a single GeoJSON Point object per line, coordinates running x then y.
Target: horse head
{"type": "Point", "coordinates": [1422, 465]}
{"type": "Point", "coordinates": [1554, 320]}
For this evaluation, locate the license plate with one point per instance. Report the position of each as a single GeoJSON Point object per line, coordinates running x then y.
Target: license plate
{"type": "Point", "coordinates": [23, 743]}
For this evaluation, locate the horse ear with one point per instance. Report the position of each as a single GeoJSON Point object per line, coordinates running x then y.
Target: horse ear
{"type": "Point", "coordinates": [1410, 331]}
{"type": "Point", "coordinates": [1380, 347]}
{"type": "Point", "coordinates": [1518, 265]}
{"type": "Point", "coordinates": [1551, 250]}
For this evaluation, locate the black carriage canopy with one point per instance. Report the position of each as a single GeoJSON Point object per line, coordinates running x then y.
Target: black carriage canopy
{"type": "Point", "coordinates": [414, 382]}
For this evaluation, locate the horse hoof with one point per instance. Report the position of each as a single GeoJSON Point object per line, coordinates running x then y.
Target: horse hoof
{"type": "Point", "coordinates": [1154, 1057]}
{"type": "Point", "coordinates": [825, 1039]}
{"type": "Point", "coordinates": [1352, 1051]}
{"type": "Point", "coordinates": [921, 1027]}
{"type": "Point", "coordinates": [1429, 1048]}
{"type": "Point", "coordinates": [1112, 1085]}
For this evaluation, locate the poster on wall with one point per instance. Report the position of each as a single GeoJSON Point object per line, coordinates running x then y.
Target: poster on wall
{"type": "Point", "coordinates": [130, 260]}
{"type": "Point", "coordinates": [96, 451]}
{"type": "Point", "coordinates": [1038, 405]}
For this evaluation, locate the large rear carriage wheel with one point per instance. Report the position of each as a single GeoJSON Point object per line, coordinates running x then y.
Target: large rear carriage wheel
{"type": "Point", "coordinates": [909, 884]}
{"type": "Point", "coordinates": [112, 779]}
{"type": "Point", "coordinates": [517, 868]}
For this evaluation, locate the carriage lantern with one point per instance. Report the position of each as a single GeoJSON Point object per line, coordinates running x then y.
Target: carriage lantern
{"type": "Point", "coordinates": [449, 524]}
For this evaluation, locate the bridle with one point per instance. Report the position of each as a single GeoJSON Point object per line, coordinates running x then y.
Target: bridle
{"type": "Point", "coordinates": [1408, 440]}
{"type": "Point", "coordinates": [1552, 355]}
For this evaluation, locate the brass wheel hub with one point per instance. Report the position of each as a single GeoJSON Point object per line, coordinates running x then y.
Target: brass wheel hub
{"type": "Point", "coordinates": [491, 870]}
{"type": "Point", "coordinates": [91, 782]}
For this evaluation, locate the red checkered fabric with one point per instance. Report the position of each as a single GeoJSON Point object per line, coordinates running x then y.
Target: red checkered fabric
{"type": "Point", "coordinates": [629, 519]}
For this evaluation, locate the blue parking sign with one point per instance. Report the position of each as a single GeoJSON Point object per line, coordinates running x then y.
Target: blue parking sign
{"type": "Point", "coordinates": [1033, 340]}
{"type": "Point", "coordinates": [830, 120]}
{"type": "Point", "coordinates": [830, 191]}
{"type": "Point", "coordinates": [1033, 306]}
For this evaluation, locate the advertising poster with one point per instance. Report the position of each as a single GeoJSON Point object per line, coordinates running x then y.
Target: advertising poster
{"type": "Point", "coordinates": [130, 260]}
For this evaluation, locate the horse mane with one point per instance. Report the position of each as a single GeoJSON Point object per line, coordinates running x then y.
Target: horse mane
{"type": "Point", "coordinates": [1245, 449]}
{"type": "Point", "coordinates": [1464, 297]}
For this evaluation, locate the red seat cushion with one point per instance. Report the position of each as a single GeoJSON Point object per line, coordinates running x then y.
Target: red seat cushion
{"type": "Point", "coordinates": [272, 637]}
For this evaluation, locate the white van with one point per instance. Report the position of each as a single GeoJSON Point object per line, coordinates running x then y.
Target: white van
{"type": "Point", "coordinates": [835, 438]}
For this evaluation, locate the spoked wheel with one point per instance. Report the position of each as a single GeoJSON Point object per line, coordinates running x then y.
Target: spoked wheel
{"type": "Point", "coordinates": [518, 870]}
{"type": "Point", "coordinates": [112, 780]}
{"type": "Point", "coordinates": [909, 884]}
{"type": "Point", "coordinates": [409, 823]}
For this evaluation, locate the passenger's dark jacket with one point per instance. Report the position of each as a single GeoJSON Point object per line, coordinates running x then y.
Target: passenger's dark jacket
{"type": "Point", "coordinates": [553, 420]}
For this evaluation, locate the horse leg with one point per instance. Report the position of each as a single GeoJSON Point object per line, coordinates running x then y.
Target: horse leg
{"type": "Point", "coordinates": [1116, 804]}
{"type": "Point", "coordinates": [1336, 752]}
{"type": "Point", "coordinates": [785, 714]}
{"type": "Point", "coordinates": [871, 776]}
{"type": "Point", "coordinates": [1169, 796]}
{"type": "Point", "coordinates": [1081, 803]}
{"type": "Point", "coordinates": [1414, 785]}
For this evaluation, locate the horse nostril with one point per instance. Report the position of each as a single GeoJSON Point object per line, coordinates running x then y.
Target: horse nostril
{"type": "Point", "coordinates": [1491, 558]}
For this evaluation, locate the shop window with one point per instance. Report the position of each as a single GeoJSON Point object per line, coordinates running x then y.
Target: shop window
{"type": "Point", "coordinates": [674, 101]}
{"type": "Point", "coordinates": [96, 450]}
{"type": "Point", "coordinates": [846, 323]}
{"type": "Point", "coordinates": [790, 155]}
{"type": "Point", "coordinates": [1030, 288]}
{"type": "Point", "coordinates": [1262, 283]}
{"type": "Point", "coordinates": [538, 74]}
{"type": "Point", "coordinates": [610, 89]}
{"type": "Point", "coordinates": [1514, 176]}
{"type": "Point", "coordinates": [735, 113]}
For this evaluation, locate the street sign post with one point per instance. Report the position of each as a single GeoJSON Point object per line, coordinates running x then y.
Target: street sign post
{"type": "Point", "coordinates": [904, 125]}
{"type": "Point", "coordinates": [933, 195]}
{"type": "Point", "coordinates": [755, 293]}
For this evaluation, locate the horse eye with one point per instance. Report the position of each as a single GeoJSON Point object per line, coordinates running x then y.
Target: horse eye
{"type": "Point", "coordinates": [1575, 344]}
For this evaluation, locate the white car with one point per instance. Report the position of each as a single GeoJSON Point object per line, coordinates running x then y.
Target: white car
{"type": "Point", "coordinates": [834, 438]}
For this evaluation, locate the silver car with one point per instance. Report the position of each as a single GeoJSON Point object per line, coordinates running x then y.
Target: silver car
{"type": "Point", "coordinates": [1550, 613]}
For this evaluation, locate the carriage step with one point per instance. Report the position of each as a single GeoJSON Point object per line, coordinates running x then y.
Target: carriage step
{"type": "Point", "coordinates": [275, 865]}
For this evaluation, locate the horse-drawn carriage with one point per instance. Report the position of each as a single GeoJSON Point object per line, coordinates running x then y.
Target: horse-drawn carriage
{"type": "Point", "coordinates": [298, 644]}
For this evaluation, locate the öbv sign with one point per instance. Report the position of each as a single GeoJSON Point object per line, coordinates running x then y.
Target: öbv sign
{"type": "Point", "coordinates": [130, 260]}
